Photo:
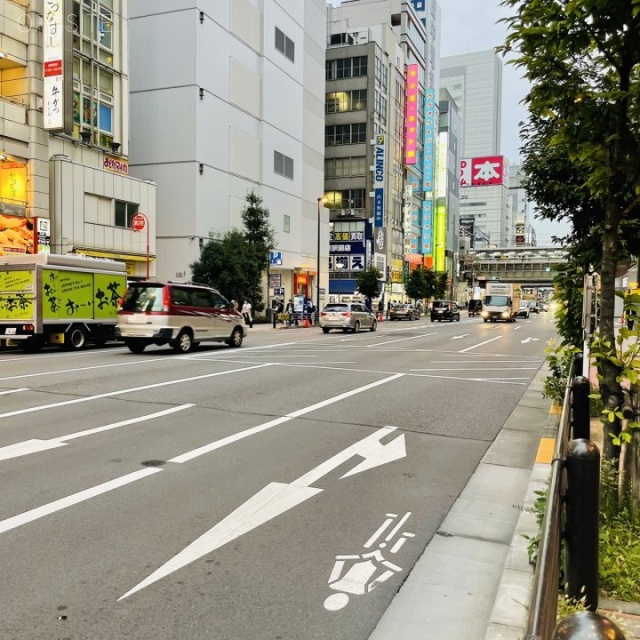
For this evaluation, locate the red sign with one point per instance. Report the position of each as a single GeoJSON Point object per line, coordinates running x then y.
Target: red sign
{"type": "Point", "coordinates": [138, 222]}
{"type": "Point", "coordinates": [487, 170]}
{"type": "Point", "coordinates": [53, 68]}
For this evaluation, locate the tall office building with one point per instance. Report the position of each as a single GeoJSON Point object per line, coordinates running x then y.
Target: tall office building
{"type": "Point", "coordinates": [227, 97]}
{"type": "Point", "coordinates": [64, 180]}
{"type": "Point", "coordinates": [412, 23]}
{"type": "Point", "coordinates": [474, 81]}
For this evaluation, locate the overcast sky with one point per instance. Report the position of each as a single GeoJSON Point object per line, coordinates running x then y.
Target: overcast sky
{"type": "Point", "coordinates": [472, 25]}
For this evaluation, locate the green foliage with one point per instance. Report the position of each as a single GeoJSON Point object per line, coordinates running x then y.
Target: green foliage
{"type": "Point", "coordinates": [441, 286]}
{"type": "Point", "coordinates": [559, 359]}
{"type": "Point", "coordinates": [417, 287]}
{"type": "Point", "coordinates": [568, 606]}
{"type": "Point", "coordinates": [234, 263]}
{"type": "Point", "coordinates": [620, 560]}
{"type": "Point", "coordinates": [369, 282]}
{"type": "Point", "coordinates": [568, 284]}
{"type": "Point", "coordinates": [539, 507]}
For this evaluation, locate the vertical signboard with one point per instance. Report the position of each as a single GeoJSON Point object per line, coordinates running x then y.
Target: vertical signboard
{"type": "Point", "coordinates": [411, 115]}
{"type": "Point", "coordinates": [57, 83]}
{"type": "Point", "coordinates": [440, 237]}
{"type": "Point", "coordinates": [427, 228]}
{"type": "Point", "coordinates": [441, 181]}
{"type": "Point", "coordinates": [429, 139]}
{"type": "Point", "coordinates": [378, 181]}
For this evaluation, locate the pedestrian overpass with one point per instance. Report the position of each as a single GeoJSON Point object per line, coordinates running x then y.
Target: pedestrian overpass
{"type": "Point", "coordinates": [528, 266]}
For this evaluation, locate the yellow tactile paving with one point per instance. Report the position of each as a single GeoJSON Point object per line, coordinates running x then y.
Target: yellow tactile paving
{"type": "Point", "coordinates": [545, 450]}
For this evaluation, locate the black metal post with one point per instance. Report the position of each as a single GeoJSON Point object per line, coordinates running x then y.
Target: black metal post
{"type": "Point", "coordinates": [578, 363]}
{"type": "Point", "coordinates": [580, 413]}
{"type": "Point", "coordinates": [582, 513]}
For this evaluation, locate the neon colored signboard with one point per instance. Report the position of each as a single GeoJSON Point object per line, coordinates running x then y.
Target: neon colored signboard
{"type": "Point", "coordinates": [411, 115]}
{"type": "Point", "coordinates": [378, 181]}
{"type": "Point", "coordinates": [429, 139]}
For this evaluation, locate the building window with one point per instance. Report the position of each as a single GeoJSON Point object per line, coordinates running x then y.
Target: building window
{"type": "Point", "coordinates": [285, 45]}
{"type": "Point", "coordinates": [345, 167]}
{"type": "Point", "coordinates": [124, 212]}
{"type": "Point", "coordinates": [346, 68]}
{"type": "Point", "coordinates": [341, 101]}
{"type": "Point", "coordinates": [346, 199]}
{"type": "Point", "coordinates": [286, 226]}
{"type": "Point", "coordinates": [93, 74]}
{"type": "Point", "coordinates": [339, 134]}
{"type": "Point", "coordinates": [283, 165]}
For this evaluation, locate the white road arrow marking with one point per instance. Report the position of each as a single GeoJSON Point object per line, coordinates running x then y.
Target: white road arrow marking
{"type": "Point", "coordinates": [464, 335]}
{"type": "Point", "coordinates": [529, 340]}
{"type": "Point", "coordinates": [277, 498]}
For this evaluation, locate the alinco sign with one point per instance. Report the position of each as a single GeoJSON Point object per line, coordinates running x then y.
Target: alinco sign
{"type": "Point", "coordinates": [378, 181]}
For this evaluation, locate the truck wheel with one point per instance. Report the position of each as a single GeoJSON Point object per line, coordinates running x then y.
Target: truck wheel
{"type": "Point", "coordinates": [236, 338]}
{"type": "Point", "coordinates": [135, 346]}
{"type": "Point", "coordinates": [75, 339]}
{"type": "Point", "coordinates": [183, 343]}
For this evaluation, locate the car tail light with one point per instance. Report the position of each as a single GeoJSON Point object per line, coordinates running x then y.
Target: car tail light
{"type": "Point", "coordinates": [29, 328]}
{"type": "Point", "coordinates": [323, 314]}
{"type": "Point", "coordinates": [346, 314]}
{"type": "Point", "coordinates": [166, 301]}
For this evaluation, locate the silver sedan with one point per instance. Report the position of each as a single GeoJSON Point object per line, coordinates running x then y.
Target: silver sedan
{"type": "Point", "coordinates": [348, 316]}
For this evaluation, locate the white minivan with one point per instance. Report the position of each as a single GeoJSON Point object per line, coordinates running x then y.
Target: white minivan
{"type": "Point", "coordinates": [180, 315]}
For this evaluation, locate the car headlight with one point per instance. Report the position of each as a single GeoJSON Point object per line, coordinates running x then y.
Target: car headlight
{"type": "Point", "coordinates": [484, 314]}
{"type": "Point", "coordinates": [505, 314]}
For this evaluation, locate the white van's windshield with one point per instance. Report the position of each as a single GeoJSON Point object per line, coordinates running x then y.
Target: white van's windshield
{"type": "Point", "coordinates": [141, 298]}
{"type": "Point", "coordinates": [496, 301]}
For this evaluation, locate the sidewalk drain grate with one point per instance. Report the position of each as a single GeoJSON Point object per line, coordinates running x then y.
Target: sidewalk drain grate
{"type": "Point", "coordinates": [153, 463]}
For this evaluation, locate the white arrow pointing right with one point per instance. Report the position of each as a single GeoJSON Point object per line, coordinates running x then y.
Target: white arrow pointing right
{"type": "Point", "coordinates": [464, 335]}
{"type": "Point", "coordinates": [529, 340]}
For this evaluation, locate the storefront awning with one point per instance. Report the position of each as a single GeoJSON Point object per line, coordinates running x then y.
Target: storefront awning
{"type": "Point", "coordinates": [112, 255]}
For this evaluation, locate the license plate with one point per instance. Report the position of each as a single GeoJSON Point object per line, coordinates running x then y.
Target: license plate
{"type": "Point", "coordinates": [11, 331]}
{"type": "Point", "coordinates": [137, 318]}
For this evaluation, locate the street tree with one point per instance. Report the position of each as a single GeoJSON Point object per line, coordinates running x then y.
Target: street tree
{"type": "Point", "coordinates": [368, 282]}
{"type": "Point", "coordinates": [581, 58]}
{"type": "Point", "coordinates": [416, 286]}
{"type": "Point", "coordinates": [222, 265]}
{"type": "Point", "coordinates": [441, 284]}
{"type": "Point", "coordinates": [260, 239]}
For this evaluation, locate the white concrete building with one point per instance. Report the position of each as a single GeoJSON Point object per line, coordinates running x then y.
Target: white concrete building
{"type": "Point", "coordinates": [227, 97]}
{"type": "Point", "coordinates": [64, 131]}
{"type": "Point", "coordinates": [474, 81]}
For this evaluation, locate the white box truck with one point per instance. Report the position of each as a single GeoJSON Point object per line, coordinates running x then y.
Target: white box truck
{"type": "Point", "coordinates": [54, 299]}
{"type": "Point", "coordinates": [501, 301]}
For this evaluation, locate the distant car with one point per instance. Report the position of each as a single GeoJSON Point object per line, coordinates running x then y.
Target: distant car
{"type": "Point", "coordinates": [348, 316]}
{"type": "Point", "coordinates": [475, 307]}
{"type": "Point", "coordinates": [534, 308]}
{"type": "Point", "coordinates": [404, 312]}
{"type": "Point", "coordinates": [445, 310]}
{"type": "Point", "coordinates": [523, 312]}
{"type": "Point", "coordinates": [545, 306]}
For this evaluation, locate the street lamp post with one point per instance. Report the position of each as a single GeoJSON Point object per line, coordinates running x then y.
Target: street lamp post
{"type": "Point", "coordinates": [321, 201]}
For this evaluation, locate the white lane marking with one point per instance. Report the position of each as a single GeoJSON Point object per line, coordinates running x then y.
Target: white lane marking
{"type": "Point", "coordinates": [524, 361]}
{"type": "Point", "coordinates": [28, 447]}
{"type": "Point", "coordinates": [36, 446]}
{"type": "Point", "coordinates": [464, 335]}
{"type": "Point", "coordinates": [517, 328]}
{"type": "Point", "coordinates": [4, 393]}
{"type": "Point", "coordinates": [277, 498]}
{"type": "Point", "coordinates": [40, 512]}
{"type": "Point", "coordinates": [378, 344]}
{"type": "Point", "coordinates": [528, 340]}
{"type": "Point", "coordinates": [98, 366]}
{"type": "Point", "coordinates": [482, 369]}
{"type": "Point", "coordinates": [130, 390]}
{"type": "Point", "coordinates": [475, 346]}
{"type": "Point", "coordinates": [51, 356]}
{"type": "Point", "coordinates": [212, 446]}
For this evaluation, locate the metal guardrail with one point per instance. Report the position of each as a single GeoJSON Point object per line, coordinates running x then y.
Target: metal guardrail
{"type": "Point", "coordinates": [544, 601]}
{"type": "Point", "coordinates": [571, 515]}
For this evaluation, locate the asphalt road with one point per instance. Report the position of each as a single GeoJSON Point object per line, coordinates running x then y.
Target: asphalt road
{"type": "Point", "coordinates": [283, 490]}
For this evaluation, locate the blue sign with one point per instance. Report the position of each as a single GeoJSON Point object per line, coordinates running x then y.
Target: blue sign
{"type": "Point", "coordinates": [275, 257]}
{"type": "Point", "coordinates": [378, 207]}
{"type": "Point", "coordinates": [427, 227]}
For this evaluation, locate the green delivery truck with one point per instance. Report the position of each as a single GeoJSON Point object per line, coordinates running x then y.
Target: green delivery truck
{"type": "Point", "coordinates": [67, 300]}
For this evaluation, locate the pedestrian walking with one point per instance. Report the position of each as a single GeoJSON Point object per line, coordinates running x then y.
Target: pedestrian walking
{"type": "Point", "coordinates": [290, 311]}
{"type": "Point", "coordinates": [246, 314]}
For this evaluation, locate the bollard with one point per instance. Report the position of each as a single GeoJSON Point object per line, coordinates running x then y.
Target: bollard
{"type": "Point", "coordinates": [582, 512]}
{"type": "Point", "coordinates": [580, 414]}
{"type": "Point", "coordinates": [578, 361]}
{"type": "Point", "coordinates": [586, 625]}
